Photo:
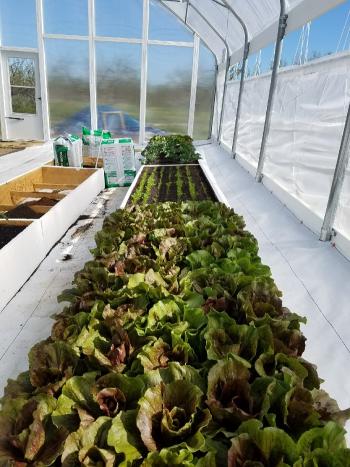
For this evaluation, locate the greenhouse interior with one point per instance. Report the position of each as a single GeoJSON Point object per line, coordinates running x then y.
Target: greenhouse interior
{"type": "Point", "coordinates": [175, 233]}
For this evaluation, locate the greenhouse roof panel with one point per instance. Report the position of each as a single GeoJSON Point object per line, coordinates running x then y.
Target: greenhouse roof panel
{"type": "Point", "coordinates": [260, 17]}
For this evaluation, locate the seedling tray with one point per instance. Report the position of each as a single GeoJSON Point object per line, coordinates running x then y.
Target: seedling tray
{"type": "Point", "coordinates": [40, 206]}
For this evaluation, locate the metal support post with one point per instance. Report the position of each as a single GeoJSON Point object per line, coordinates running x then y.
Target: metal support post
{"type": "Point", "coordinates": [278, 50]}
{"type": "Point", "coordinates": [244, 65]}
{"type": "Point", "coordinates": [338, 182]}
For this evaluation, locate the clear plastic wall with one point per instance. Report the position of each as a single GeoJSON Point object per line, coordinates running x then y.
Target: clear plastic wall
{"type": "Point", "coordinates": [118, 78]}
{"type": "Point", "coordinates": [67, 65]}
{"type": "Point", "coordinates": [205, 94]}
{"type": "Point", "coordinates": [307, 123]}
{"type": "Point", "coordinates": [168, 89]}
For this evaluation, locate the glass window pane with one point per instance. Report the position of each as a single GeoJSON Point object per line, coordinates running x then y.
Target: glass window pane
{"type": "Point", "coordinates": [66, 17]}
{"type": "Point", "coordinates": [163, 25]}
{"type": "Point", "coordinates": [169, 89]}
{"type": "Point", "coordinates": [22, 71]}
{"type": "Point", "coordinates": [118, 88]}
{"type": "Point", "coordinates": [23, 100]}
{"type": "Point", "coordinates": [68, 85]}
{"type": "Point", "coordinates": [119, 18]}
{"type": "Point", "coordinates": [18, 23]}
{"type": "Point", "coordinates": [205, 93]}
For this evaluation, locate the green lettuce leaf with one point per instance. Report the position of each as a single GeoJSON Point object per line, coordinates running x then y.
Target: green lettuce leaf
{"type": "Point", "coordinates": [88, 445]}
{"type": "Point", "coordinates": [27, 434]}
{"type": "Point", "coordinates": [123, 436]}
{"type": "Point", "coordinates": [257, 446]}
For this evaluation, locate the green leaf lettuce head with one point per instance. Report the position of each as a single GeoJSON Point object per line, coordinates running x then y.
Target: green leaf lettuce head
{"type": "Point", "coordinates": [170, 416]}
{"type": "Point", "coordinates": [51, 364]}
{"type": "Point", "coordinates": [257, 446]}
{"type": "Point", "coordinates": [88, 445]}
{"type": "Point", "coordinates": [229, 396]}
{"type": "Point", "coordinates": [170, 148]}
{"type": "Point", "coordinates": [27, 433]}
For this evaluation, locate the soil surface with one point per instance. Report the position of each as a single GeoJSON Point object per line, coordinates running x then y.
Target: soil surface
{"type": "Point", "coordinates": [24, 211]}
{"type": "Point", "coordinates": [165, 162]}
{"type": "Point", "coordinates": [171, 183]}
{"type": "Point", "coordinates": [8, 232]}
{"type": "Point", "coordinates": [44, 202]}
{"type": "Point", "coordinates": [7, 147]}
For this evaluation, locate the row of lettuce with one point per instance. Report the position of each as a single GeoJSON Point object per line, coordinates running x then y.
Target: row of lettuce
{"type": "Point", "coordinates": [175, 349]}
{"type": "Point", "coordinates": [170, 149]}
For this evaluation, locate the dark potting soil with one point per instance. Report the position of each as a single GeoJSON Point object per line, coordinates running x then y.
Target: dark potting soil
{"type": "Point", "coordinates": [173, 183]}
{"type": "Point", "coordinates": [8, 232]}
{"type": "Point", "coordinates": [44, 202]}
{"type": "Point", "coordinates": [164, 182]}
{"type": "Point", "coordinates": [24, 211]}
{"type": "Point", "coordinates": [166, 162]}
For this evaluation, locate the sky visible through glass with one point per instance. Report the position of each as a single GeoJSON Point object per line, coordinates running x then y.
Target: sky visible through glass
{"type": "Point", "coordinates": [324, 37]}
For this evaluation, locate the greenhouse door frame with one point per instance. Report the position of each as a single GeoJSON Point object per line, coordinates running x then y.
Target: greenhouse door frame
{"type": "Point", "coordinates": [38, 53]}
{"type": "Point", "coordinates": [22, 123]}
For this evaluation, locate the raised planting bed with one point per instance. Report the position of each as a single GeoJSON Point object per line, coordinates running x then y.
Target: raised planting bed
{"type": "Point", "coordinates": [8, 147]}
{"type": "Point", "coordinates": [31, 209]}
{"type": "Point", "coordinates": [9, 231]}
{"type": "Point", "coordinates": [36, 210]}
{"type": "Point", "coordinates": [170, 183]}
{"type": "Point", "coordinates": [174, 349]}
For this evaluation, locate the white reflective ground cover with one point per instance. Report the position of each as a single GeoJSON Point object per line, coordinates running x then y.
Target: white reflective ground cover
{"type": "Point", "coordinates": [307, 123]}
{"type": "Point", "coordinates": [312, 275]}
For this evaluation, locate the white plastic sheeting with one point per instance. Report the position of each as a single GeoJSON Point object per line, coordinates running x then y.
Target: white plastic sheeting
{"type": "Point", "coordinates": [307, 123]}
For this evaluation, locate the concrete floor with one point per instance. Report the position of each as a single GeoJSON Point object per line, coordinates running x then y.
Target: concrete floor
{"type": "Point", "coordinates": [27, 318]}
